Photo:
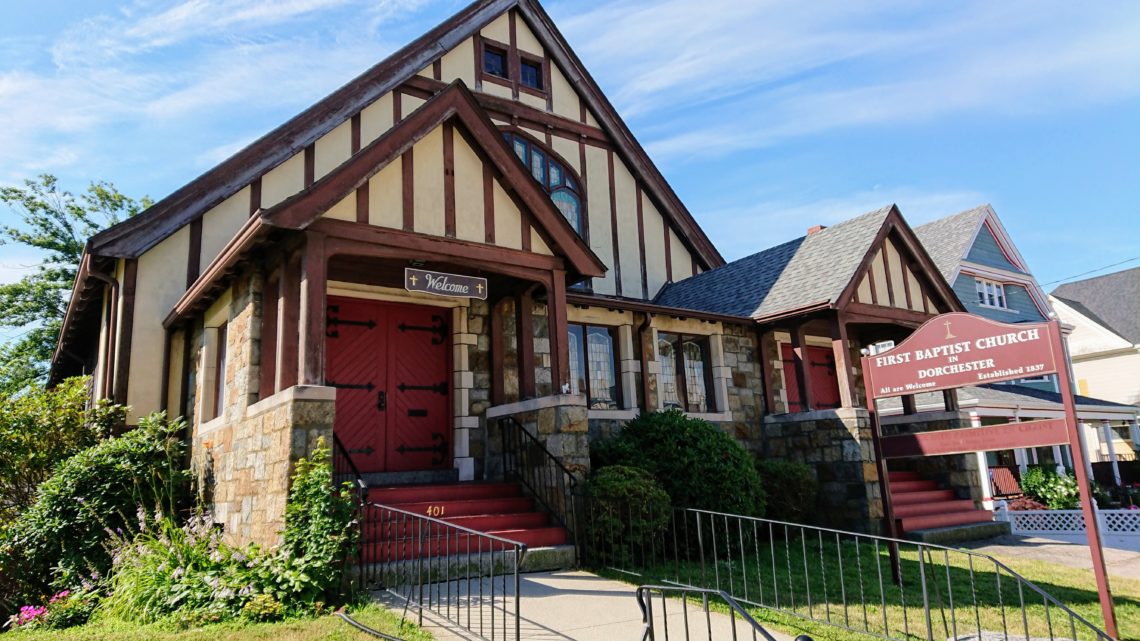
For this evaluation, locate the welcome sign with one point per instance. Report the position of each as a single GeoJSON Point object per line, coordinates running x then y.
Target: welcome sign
{"type": "Point", "coordinates": [954, 350]}
{"type": "Point", "coordinates": [442, 284]}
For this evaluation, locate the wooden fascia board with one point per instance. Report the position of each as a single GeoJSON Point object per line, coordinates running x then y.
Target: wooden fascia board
{"type": "Point", "coordinates": [633, 305]}
{"type": "Point", "coordinates": [198, 295]}
{"type": "Point", "coordinates": [628, 146]}
{"type": "Point", "coordinates": [862, 312]}
{"type": "Point", "coordinates": [136, 235]}
{"type": "Point", "coordinates": [75, 306]}
{"type": "Point", "coordinates": [803, 310]}
{"type": "Point", "coordinates": [456, 102]}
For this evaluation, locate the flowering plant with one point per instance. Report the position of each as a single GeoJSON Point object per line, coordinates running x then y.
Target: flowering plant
{"type": "Point", "coordinates": [63, 610]}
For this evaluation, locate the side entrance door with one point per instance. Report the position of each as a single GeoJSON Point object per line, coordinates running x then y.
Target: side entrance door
{"type": "Point", "coordinates": [391, 366]}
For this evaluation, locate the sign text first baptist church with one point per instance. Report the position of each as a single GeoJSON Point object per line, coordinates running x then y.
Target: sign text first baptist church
{"type": "Point", "coordinates": [965, 357]}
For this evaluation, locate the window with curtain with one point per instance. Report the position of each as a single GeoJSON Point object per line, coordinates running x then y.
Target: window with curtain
{"type": "Point", "coordinates": [553, 175]}
{"type": "Point", "coordinates": [593, 365]}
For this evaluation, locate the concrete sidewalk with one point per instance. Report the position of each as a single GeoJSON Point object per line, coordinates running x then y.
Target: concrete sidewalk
{"type": "Point", "coordinates": [1071, 551]}
{"type": "Point", "coordinates": [579, 606]}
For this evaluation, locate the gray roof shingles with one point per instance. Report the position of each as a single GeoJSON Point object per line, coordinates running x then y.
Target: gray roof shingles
{"type": "Point", "coordinates": [947, 239]}
{"type": "Point", "coordinates": [813, 269]}
{"type": "Point", "coordinates": [1112, 299]}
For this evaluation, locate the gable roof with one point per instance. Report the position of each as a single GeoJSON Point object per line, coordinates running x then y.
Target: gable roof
{"type": "Point", "coordinates": [816, 271]}
{"type": "Point", "coordinates": [134, 236]}
{"type": "Point", "coordinates": [948, 239]}
{"type": "Point", "coordinates": [1112, 300]}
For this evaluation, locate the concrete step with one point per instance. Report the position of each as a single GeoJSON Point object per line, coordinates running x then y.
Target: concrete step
{"type": "Point", "coordinates": [927, 496]}
{"type": "Point", "coordinates": [439, 493]}
{"type": "Point", "coordinates": [949, 519]}
{"type": "Point", "coordinates": [418, 477]}
{"type": "Point", "coordinates": [933, 507]}
{"type": "Point", "coordinates": [898, 487]}
{"type": "Point", "coordinates": [960, 533]}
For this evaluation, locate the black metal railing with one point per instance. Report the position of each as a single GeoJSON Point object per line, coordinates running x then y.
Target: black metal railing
{"type": "Point", "coordinates": [887, 588]}
{"type": "Point", "coordinates": [344, 470]}
{"type": "Point", "coordinates": [686, 621]}
{"type": "Point", "coordinates": [467, 578]}
{"type": "Point", "coordinates": [542, 475]}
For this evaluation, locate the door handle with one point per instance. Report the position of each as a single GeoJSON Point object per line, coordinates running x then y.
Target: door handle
{"type": "Point", "coordinates": [382, 400]}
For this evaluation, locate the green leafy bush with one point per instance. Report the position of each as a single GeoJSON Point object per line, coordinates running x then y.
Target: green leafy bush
{"type": "Point", "coordinates": [625, 506]}
{"type": "Point", "coordinates": [189, 573]}
{"type": "Point", "coordinates": [791, 488]}
{"type": "Point", "coordinates": [1057, 492]}
{"type": "Point", "coordinates": [64, 610]}
{"type": "Point", "coordinates": [697, 464]}
{"type": "Point", "coordinates": [62, 538]}
{"type": "Point", "coordinates": [41, 428]}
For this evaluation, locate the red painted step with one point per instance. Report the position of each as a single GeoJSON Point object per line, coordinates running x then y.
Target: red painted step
{"type": "Point", "coordinates": [949, 519]}
{"type": "Point", "coordinates": [536, 537]}
{"type": "Point", "coordinates": [895, 476]}
{"type": "Point", "coordinates": [417, 528]}
{"type": "Point", "coordinates": [898, 487]}
{"type": "Point", "coordinates": [499, 522]}
{"type": "Point", "coordinates": [450, 492]}
{"type": "Point", "coordinates": [933, 507]}
{"type": "Point", "coordinates": [910, 498]}
{"type": "Point", "coordinates": [448, 509]}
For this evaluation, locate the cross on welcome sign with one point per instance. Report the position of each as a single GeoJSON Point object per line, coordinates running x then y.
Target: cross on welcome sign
{"type": "Point", "coordinates": [443, 284]}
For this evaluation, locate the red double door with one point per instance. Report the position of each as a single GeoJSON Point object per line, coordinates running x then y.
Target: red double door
{"type": "Point", "coordinates": [390, 364]}
{"type": "Point", "coordinates": [820, 368]}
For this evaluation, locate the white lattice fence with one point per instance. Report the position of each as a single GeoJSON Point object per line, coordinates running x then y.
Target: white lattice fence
{"type": "Point", "coordinates": [1116, 522]}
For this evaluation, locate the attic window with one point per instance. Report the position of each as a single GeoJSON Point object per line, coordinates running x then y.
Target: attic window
{"type": "Point", "coordinates": [990, 293]}
{"type": "Point", "coordinates": [531, 74]}
{"type": "Point", "coordinates": [495, 62]}
{"type": "Point", "coordinates": [554, 177]}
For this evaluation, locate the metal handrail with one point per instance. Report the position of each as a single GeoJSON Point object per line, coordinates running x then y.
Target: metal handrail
{"type": "Point", "coordinates": [645, 602]}
{"type": "Point", "coordinates": [342, 458]}
{"type": "Point", "coordinates": [556, 474]}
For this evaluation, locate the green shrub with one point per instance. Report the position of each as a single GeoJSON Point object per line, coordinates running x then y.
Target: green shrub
{"type": "Point", "coordinates": [625, 506]}
{"type": "Point", "coordinates": [62, 539]}
{"type": "Point", "coordinates": [791, 488]}
{"type": "Point", "coordinates": [190, 574]}
{"type": "Point", "coordinates": [40, 429]}
{"type": "Point", "coordinates": [697, 464]}
{"type": "Point", "coordinates": [1057, 492]}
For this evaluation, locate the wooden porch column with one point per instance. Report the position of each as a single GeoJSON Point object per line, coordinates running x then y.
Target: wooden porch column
{"type": "Point", "coordinates": [524, 329]}
{"type": "Point", "coordinates": [288, 295]}
{"type": "Point", "coordinates": [766, 372]}
{"type": "Point", "coordinates": [950, 400]}
{"type": "Point", "coordinates": [801, 361]}
{"type": "Point", "coordinates": [311, 343]}
{"type": "Point", "coordinates": [498, 394]}
{"type": "Point", "coordinates": [559, 343]}
{"type": "Point", "coordinates": [841, 348]}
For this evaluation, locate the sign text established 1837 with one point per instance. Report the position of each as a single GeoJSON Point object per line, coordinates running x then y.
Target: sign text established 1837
{"type": "Point", "coordinates": [441, 284]}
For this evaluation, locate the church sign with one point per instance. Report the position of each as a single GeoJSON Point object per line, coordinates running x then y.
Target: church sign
{"type": "Point", "coordinates": [962, 349]}
{"type": "Point", "coordinates": [441, 284]}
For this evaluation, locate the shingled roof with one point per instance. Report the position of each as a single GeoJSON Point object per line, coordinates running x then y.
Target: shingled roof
{"type": "Point", "coordinates": [948, 239]}
{"type": "Point", "coordinates": [1113, 300]}
{"type": "Point", "coordinates": [807, 271]}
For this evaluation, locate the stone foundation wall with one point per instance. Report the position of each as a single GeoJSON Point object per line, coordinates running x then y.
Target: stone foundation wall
{"type": "Point", "coordinates": [559, 423]}
{"type": "Point", "coordinates": [836, 444]}
{"type": "Point", "coordinates": [744, 385]}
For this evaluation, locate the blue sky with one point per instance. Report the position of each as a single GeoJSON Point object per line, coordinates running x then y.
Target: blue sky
{"type": "Point", "coordinates": [767, 117]}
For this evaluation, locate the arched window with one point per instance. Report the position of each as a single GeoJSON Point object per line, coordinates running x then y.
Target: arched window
{"type": "Point", "coordinates": [555, 178]}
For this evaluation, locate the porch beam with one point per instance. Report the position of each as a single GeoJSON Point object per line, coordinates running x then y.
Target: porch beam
{"type": "Point", "coordinates": [311, 343]}
{"type": "Point", "coordinates": [800, 360]}
{"type": "Point", "coordinates": [841, 349]}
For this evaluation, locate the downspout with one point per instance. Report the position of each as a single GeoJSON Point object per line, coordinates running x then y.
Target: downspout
{"type": "Point", "coordinates": [644, 356]}
{"type": "Point", "coordinates": [112, 329]}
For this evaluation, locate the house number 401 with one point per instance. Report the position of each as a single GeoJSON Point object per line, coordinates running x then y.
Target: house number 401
{"type": "Point", "coordinates": [435, 510]}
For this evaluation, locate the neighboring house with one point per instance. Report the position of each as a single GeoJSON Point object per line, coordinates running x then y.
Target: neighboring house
{"type": "Point", "coordinates": [976, 254]}
{"type": "Point", "coordinates": [469, 233]}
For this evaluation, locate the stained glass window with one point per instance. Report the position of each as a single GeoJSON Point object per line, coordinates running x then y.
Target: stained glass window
{"type": "Point", "coordinates": [667, 385]}
{"type": "Point", "coordinates": [593, 365]}
{"type": "Point", "coordinates": [554, 177]}
{"type": "Point", "coordinates": [686, 369]}
{"type": "Point", "coordinates": [696, 374]}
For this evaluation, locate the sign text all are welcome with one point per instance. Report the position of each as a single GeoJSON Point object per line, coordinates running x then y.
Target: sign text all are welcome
{"type": "Point", "coordinates": [443, 284]}
{"type": "Point", "coordinates": [954, 350]}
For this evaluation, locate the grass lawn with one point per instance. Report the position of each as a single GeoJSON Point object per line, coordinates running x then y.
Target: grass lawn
{"type": "Point", "coordinates": [838, 585]}
{"type": "Point", "coordinates": [326, 628]}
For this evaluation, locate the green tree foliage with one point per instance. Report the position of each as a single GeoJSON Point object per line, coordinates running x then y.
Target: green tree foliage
{"type": "Point", "coordinates": [56, 224]}
{"type": "Point", "coordinates": [698, 465]}
{"type": "Point", "coordinates": [62, 539]}
{"type": "Point", "coordinates": [39, 430]}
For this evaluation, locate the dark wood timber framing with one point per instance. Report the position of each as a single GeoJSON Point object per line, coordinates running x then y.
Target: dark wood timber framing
{"type": "Point", "coordinates": [498, 348]}
{"type": "Point", "coordinates": [803, 376]}
{"type": "Point", "coordinates": [641, 245]}
{"type": "Point", "coordinates": [449, 180]}
{"type": "Point", "coordinates": [841, 350]}
{"type": "Point", "coordinates": [408, 181]}
{"type": "Point", "coordinates": [311, 347]}
{"type": "Point", "coordinates": [559, 345]}
{"type": "Point", "coordinates": [524, 330]}
{"type": "Point", "coordinates": [488, 205]}
{"type": "Point", "coordinates": [194, 255]}
{"type": "Point", "coordinates": [614, 224]}
{"type": "Point", "coordinates": [126, 330]}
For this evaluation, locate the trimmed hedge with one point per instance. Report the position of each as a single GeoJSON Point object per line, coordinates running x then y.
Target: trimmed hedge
{"type": "Point", "coordinates": [791, 487]}
{"type": "Point", "coordinates": [698, 465]}
{"type": "Point", "coordinates": [625, 507]}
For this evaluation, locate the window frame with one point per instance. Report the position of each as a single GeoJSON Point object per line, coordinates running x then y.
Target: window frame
{"type": "Point", "coordinates": [987, 289]}
{"type": "Point", "coordinates": [543, 69]}
{"type": "Point", "coordinates": [514, 58]}
{"type": "Point", "coordinates": [680, 373]}
{"type": "Point", "coordinates": [584, 358]}
{"type": "Point", "coordinates": [220, 357]}
{"type": "Point", "coordinates": [481, 68]}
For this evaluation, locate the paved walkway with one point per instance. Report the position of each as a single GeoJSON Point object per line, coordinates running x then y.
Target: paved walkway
{"type": "Point", "coordinates": [1122, 558]}
{"type": "Point", "coordinates": [579, 606]}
